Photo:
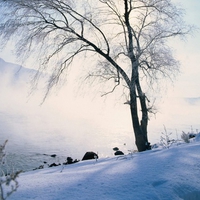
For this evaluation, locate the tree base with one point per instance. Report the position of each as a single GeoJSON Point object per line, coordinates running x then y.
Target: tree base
{"type": "Point", "coordinates": [142, 144]}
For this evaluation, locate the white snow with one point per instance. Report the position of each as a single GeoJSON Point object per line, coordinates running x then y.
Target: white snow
{"type": "Point", "coordinates": [169, 174]}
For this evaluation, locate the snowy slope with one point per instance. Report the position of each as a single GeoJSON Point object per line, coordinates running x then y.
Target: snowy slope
{"type": "Point", "coordinates": [157, 174]}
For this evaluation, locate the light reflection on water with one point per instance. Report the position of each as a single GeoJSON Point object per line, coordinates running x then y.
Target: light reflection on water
{"type": "Point", "coordinates": [25, 152]}
{"type": "Point", "coordinates": [26, 162]}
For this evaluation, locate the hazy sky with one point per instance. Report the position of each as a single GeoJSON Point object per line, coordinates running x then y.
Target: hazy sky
{"type": "Point", "coordinates": [106, 121]}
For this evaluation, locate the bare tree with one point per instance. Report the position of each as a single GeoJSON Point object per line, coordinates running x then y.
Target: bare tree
{"type": "Point", "coordinates": [128, 39]}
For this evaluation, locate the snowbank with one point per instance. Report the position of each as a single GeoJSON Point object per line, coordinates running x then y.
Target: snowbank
{"type": "Point", "coordinates": [157, 174]}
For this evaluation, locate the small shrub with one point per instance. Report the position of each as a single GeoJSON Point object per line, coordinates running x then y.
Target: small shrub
{"type": "Point", "coordinates": [8, 182]}
{"type": "Point", "coordinates": [165, 139]}
{"type": "Point", "coordinates": [185, 137]}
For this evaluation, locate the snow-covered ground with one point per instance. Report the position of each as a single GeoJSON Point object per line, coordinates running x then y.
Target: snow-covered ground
{"type": "Point", "coordinates": [169, 174]}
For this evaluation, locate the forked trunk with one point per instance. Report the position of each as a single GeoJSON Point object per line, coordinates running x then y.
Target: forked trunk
{"type": "Point", "coordinates": [140, 127]}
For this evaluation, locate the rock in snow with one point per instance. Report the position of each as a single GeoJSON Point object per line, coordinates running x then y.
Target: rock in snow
{"type": "Point", "coordinates": [90, 155]}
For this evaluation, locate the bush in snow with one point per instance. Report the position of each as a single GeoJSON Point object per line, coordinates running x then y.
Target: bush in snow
{"type": "Point", "coordinates": [185, 137]}
{"type": "Point", "coordinates": [8, 182]}
{"type": "Point", "coordinates": [165, 141]}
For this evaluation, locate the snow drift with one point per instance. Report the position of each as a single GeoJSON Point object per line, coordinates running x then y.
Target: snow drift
{"type": "Point", "coordinates": [156, 174]}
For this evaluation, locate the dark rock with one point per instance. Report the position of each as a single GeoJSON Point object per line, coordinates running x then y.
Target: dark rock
{"type": "Point", "coordinates": [53, 155]}
{"type": "Point", "coordinates": [148, 146]}
{"type": "Point", "coordinates": [54, 165]}
{"type": "Point", "coordinates": [69, 160]}
{"type": "Point", "coordinates": [117, 153]}
{"type": "Point", "coordinates": [115, 149]}
{"type": "Point", "coordinates": [40, 167]}
{"type": "Point", "coordinates": [75, 161]}
{"type": "Point", "coordinates": [90, 155]}
{"type": "Point", "coordinates": [154, 146]}
{"type": "Point", "coordinates": [192, 135]}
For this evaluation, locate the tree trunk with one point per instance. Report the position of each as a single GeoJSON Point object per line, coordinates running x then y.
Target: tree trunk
{"type": "Point", "coordinates": [144, 121]}
{"type": "Point", "coordinates": [140, 128]}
